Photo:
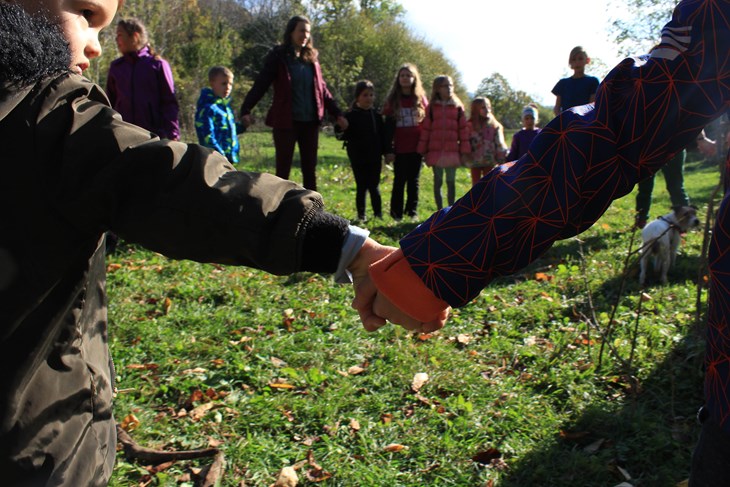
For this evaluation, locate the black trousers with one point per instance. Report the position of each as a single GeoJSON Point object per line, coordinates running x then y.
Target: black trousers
{"type": "Point", "coordinates": [407, 169]}
{"type": "Point", "coordinates": [366, 169]}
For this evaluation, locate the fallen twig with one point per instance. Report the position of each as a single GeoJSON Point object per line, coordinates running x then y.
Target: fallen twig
{"type": "Point", "coordinates": [147, 455]}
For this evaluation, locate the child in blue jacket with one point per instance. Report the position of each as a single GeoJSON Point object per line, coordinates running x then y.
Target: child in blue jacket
{"type": "Point", "coordinates": [214, 120]}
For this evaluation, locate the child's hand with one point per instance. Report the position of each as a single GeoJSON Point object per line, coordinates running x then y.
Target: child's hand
{"type": "Point", "coordinates": [246, 120]}
{"type": "Point", "coordinates": [365, 290]}
{"type": "Point", "coordinates": [342, 122]}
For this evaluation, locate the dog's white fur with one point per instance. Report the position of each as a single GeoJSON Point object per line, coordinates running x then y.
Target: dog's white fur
{"type": "Point", "coordinates": [661, 239]}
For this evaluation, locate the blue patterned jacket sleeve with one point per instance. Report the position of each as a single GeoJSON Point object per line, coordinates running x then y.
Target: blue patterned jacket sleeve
{"type": "Point", "coordinates": [646, 110]}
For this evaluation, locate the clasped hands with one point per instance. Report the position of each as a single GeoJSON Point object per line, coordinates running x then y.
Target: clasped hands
{"type": "Point", "coordinates": [374, 308]}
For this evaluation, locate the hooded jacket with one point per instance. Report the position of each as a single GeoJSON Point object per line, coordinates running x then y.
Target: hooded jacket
{"type": "Point", "coordinates": [73, 170]}
{"type": "Point", "coordinates": [141, 88]}
{"type": "Point", "coordinates": [215, 124]}
{"type": "Point", "coordinates": [276, 73]}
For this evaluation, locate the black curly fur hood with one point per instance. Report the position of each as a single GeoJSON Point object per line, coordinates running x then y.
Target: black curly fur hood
{"type": "Point", "coordinates": [31, 47]}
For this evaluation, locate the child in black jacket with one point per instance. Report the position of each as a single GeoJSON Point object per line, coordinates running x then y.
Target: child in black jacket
{"type": "Point", "coordinates": [365, 143]}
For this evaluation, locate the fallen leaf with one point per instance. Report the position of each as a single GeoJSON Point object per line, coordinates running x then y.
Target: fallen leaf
{"type": "Point", "coordinates": [278, 362]}
{"type": "Point", "coordinates": [645, 297]}
{"type": "Point", "coordinates": [143, 366]}
{"type": "Point", "coordinates": [463, 339]}
{"type": "Point", "coordinates": [113, 267]}
{"type": "Point", "coordinates": [418, 381]}
{"type": "Point", "coordinates": [595, 446]}
{"type": "Point", "coordinates": [130, 422]}
{"type": "Point", "coordinates": [196, 370]}
{"type": "Point", "coordinates": [541, 276]}
{"type": "Point", "coordinates": [168, 305]}
{"type": "Point", "coordinates": [287, 478]}
{"type": "Point", "coordinates": [355, 369]}
{"type": "Point", "coordinates": [354, 425]}
{"type": "Point", "coordinates": [623, 472]}
{"type": "Point", "coordinates": [394, 447]}
{"type": "Point", "coordinates": [386, 418]}
{"type": "Point", "coordinates": [280, 385]}
{"type": "Point", "coordinates": [201, 410]}
{"type": "Point", "coordinates": [546, 296]}
{"type": "Point", "coordinates": [425, 336]}
{"type": "Point", "coordinates": [214, 443]}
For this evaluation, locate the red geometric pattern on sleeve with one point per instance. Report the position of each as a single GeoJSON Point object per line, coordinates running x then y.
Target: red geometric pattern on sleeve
{"type": "Point", "coordinates": [646, 110]}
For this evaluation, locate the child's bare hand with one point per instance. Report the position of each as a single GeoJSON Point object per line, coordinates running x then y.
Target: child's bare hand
{"type": "Point", "coordinates": [365, 290]}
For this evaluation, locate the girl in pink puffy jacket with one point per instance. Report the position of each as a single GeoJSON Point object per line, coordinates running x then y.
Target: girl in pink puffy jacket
{"type": "Point", "coordinates": [444, 137]}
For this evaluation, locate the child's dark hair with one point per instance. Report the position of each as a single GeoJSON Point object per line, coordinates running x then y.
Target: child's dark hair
{"type": "Point", "coordinates": [45, 50]}
{"type": "Point", "coordinates": [308, 53]}
{"type": "Point", "coordinates": [216, 71]}
{"type": "Point", "coordinates": [361, 86]}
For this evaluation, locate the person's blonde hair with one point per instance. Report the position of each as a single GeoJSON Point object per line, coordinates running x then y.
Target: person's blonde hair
{"type": "Point", "coordinates": [437, 82]}
{"type": "Point", "coordinates": [395, 95]}
{"type": "Point", "coordinates": [475, 116]}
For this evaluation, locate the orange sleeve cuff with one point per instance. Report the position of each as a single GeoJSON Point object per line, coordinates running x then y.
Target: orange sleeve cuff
{"type": "Point", "coordinates": [395, 279]}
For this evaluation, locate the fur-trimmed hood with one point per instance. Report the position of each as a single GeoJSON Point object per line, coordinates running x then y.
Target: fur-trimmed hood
{"type": "Point", "coordinates": [32, 48]}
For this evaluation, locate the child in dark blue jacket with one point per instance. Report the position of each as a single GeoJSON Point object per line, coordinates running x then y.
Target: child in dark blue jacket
{"type": "Point", "coordinates": [365, 142]}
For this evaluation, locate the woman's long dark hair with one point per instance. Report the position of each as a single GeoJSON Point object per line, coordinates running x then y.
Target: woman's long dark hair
{"type": "Point", "coordinates": [308, 52]}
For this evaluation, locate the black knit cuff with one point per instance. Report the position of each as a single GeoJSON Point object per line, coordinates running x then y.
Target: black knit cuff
{"type": "Point", "coordinates": [323, 240]}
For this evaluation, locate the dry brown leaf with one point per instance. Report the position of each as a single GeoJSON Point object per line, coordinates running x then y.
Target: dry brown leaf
{"type": "Point", "coordinates": [143, 366]}
{"type": "Point", "coordinates": [386, 418]}
{"type": "Point", "coordinates": [646, 297]}
{"type": "Point", "coordinates": [418, 381]}
{"type": "Point", "coordinates": [463, 339]}
{"type": "Point", "coordinates": [278, 362]}
{"type": "Point", "coordinates": [168, 305]}
{"type": "Point", "coordinates": [214, 443]}
{"type": "Point", "coordinates": [541, 276]}
{"type": "Point", "coordinates": [130, 422]}
{"type": "Point", "coordinates": [196, 370]}
{"type": "Point", "coordinates": [287, 478]}
{"type": "Point", "coordinates": [280, 383]}
{"type": "Point", "coordinates": [394, 447]}
{"type": "Point", "coordinates": [355, 369]}
{"type": "Point", "coordinates": [354, 425]}
{"type": "Point", "coordinates": [201, 411]}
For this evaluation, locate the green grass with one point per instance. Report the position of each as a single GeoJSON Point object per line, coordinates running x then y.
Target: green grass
{"type": "Point", "coordinates": [515, 371]}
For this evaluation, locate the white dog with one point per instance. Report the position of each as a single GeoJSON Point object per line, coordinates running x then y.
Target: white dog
{"type": "Point", "coordinates": [661, 239]}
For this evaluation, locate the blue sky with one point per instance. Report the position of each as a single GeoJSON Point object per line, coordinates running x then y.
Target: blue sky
{"type": "Point", "coordinates": [527, 41]}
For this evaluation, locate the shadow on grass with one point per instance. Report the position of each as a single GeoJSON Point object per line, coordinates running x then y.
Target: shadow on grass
{"type": "Point", "coordinates": [649, 433]}
{"type": "Point", "coordinates": [646, 429]}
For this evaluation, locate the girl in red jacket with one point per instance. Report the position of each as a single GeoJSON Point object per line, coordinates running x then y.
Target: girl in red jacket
{"type": "Point", "coordinates": [405, 107]}
{"type": "Point", "coordinates": [444, 129]}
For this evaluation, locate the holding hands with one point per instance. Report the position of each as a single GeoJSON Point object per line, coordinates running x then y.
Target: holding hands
{"type": "Point", "coordinates": [374, 308]}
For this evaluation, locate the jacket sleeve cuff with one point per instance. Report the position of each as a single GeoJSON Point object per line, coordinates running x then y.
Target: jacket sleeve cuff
{"type": "Point", "coordinates": [395, 279]}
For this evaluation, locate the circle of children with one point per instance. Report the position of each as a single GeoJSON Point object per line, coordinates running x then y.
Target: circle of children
{"type": "Point", "coordinates": [95, 172]}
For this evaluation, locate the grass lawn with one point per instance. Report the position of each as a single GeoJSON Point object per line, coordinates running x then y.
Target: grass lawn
{"type": "Point", "coordinates": [277, 371]}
